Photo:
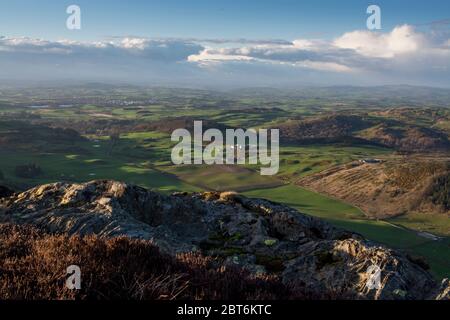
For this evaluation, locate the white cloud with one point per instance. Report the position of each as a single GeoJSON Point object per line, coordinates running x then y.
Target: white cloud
{"type": "Point", "coordinates": [168, 50]}
{"type": "Point", "coordinates": [324, 66]}
{"type": "Point", "coordinates": [211, 55]}
{"type": "Point", "coordinates": [299, 53]}
{"type": "Point", "coordinates": [402, 55]}
{"type": "Point", "coordinates": [401, 40]}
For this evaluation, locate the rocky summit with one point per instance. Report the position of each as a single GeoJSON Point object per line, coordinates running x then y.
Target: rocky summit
{"type": "Point", "coordinates": [257, 235]}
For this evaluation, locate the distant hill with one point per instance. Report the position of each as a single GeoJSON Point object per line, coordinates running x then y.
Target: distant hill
{"type": "Point", "coordinates": [25, 135]}
{"type": "Point", "coordinates": [406, 137]}
{"type": "Point", "coordinates": [390, 188]}
{"type": "Point", "coordinates": [364, 130]}
{"type": "Point", "coordinates": [417, 96]}
{"type": "Point", "coordinates": [326, 127]}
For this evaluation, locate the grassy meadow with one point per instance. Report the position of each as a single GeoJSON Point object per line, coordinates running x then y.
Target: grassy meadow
{"type": "Point", "coordinates": [143, 158]}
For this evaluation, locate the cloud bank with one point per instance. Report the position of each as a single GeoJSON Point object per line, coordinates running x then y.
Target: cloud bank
{"type": "Point", "coordinates": [402, 55]}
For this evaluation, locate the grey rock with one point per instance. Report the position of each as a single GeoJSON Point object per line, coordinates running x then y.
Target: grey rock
{"type": "Point", "coordinates": [258, 235]}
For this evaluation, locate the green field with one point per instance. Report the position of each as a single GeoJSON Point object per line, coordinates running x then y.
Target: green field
{"type": "Point", "coordinates": [438, 224]}
{"type": "Point", "coordinates": [437, 253]}
{"type": "Point", "coordinates": [97, 164]}
{"type": "Point", "coordinates": [299, 161]}
{"type": "Point", "coordinates": [222, 177]}
{"type": "Point", "coordinates": [143, 158]}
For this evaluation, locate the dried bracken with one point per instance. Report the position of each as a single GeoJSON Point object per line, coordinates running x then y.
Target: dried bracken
{"type": "Point", "coordinates": [33, 266]}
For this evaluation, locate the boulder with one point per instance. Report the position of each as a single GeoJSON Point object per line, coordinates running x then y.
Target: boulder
{"type": "Point", "coordinates": [258, 235]}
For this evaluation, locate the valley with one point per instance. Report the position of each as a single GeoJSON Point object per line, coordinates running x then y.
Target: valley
{"type": "Point", "coordinates": [328, 141]}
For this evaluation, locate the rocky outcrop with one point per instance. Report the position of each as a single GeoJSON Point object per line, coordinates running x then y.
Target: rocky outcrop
{"type": "Point", "coordinates": [443, 292]}
{"type": "Point", "coordinates": [258, 235]}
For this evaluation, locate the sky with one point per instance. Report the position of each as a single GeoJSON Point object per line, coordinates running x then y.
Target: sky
{"type": "Point", "coordinates": [227, 43]}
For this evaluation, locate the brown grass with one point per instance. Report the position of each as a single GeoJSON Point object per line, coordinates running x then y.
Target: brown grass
{"type": "Point", "coordinates": [33, 266]}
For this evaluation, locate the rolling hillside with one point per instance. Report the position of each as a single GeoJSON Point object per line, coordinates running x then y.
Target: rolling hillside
{"type": "Point", "coordinates": [388, 188]}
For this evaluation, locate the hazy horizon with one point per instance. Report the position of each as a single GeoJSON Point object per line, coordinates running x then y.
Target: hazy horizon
{"type": "Point", "coordinates": [220, 44]}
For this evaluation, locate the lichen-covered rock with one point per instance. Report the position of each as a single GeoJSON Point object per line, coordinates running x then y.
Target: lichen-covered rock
{"type": "Point", "coordinates": [443, 292]}
{"type": "Point", "coordinates": [343, 266]}
{"type": "Point", "coordinates": [258, 235]}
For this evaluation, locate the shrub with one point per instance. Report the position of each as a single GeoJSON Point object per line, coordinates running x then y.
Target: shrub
{"type": "Point", "coordinates": [440, 193]}
{"type": "Point", "coordinates": [33, 266]}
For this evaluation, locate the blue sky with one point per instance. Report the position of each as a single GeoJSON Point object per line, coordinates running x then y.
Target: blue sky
{"type": "Point", "coordinates": [284, 19]}
{"type": "Point", "coordinates": [178, 42]}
